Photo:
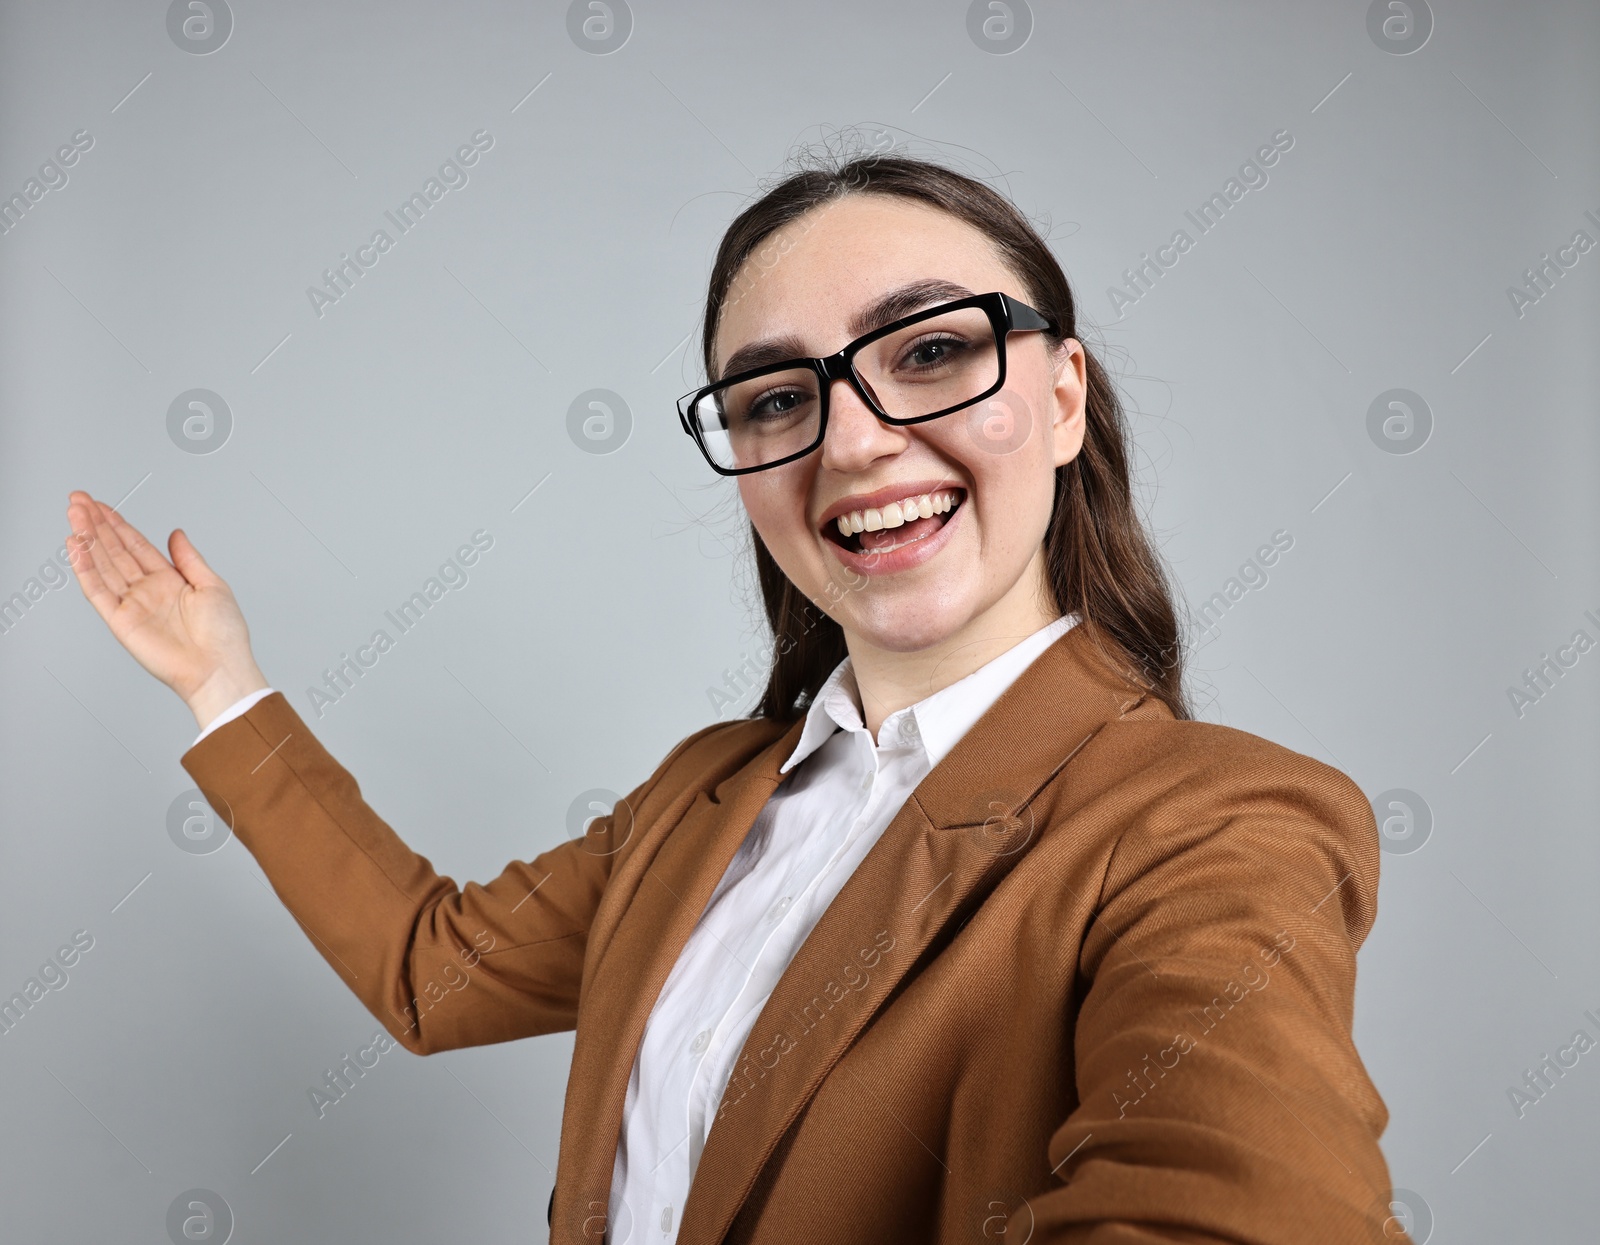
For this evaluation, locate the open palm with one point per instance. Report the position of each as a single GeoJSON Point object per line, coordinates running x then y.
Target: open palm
{"type": "Point", "coordinates": [178, 618]}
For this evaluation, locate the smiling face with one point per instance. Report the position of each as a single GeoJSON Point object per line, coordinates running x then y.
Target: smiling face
{"type": "Point", "coordinates": [967, 562]}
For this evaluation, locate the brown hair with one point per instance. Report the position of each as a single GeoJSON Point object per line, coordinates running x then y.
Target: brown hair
{"type": "Point", "coordinates": [1100, 562]}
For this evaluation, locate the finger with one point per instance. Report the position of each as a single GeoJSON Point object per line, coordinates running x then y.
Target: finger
{"type": "Point", "coordinates": [149, 558]}
{"type": "Point", "coordinates": [119, 554]}
{"type": "Point", "coordinates": [97, 551]}
{"type": "Point", "coordinates": [190, 564]}
{"type": "Point", "coordinates": [81, 538]}
{"type": "Point", "coordinates": [81, 545]}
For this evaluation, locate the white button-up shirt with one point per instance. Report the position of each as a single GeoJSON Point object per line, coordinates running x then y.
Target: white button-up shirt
{"type": "Point", "coordinates": [839, 792]}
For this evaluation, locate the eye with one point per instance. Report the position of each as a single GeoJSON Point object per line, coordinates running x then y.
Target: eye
{"type": "Point", "coordinates": [780, 407]}
{"type": "Point", "coordinates": [932, 352]}
{"type": "Point", "coordinates": [774, 404]}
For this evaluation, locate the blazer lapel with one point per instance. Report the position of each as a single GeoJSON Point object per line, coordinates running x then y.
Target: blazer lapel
{"type": "Point", "coordinates": [961, 830]}
{"type": "Point", "coordinates": [666, 895]}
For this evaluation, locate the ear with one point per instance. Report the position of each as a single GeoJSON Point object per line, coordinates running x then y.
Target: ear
{"type": "Point", "coordinates": [1069, 400]}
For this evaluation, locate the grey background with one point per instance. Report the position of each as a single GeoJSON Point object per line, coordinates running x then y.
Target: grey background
{"type": "Point", "coordinates": [369, 443]}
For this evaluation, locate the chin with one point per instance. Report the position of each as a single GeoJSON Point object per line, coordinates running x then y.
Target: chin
{"type": "Point", "coordinates": [909, 625]}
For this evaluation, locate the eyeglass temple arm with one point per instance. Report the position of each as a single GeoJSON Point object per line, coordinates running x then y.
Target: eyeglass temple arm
{"type": "Point", "coordinates": [1025, 317]}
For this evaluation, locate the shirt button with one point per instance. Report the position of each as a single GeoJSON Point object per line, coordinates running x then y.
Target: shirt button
{"type": "Point", "coordinates": [666, 1219]}
{"type": "Point", "coordinates": [908, 728]}
{"type": "Point", "coordinates": [701, 1040]}
{"type": "Point", "coordinates": [779, 908]}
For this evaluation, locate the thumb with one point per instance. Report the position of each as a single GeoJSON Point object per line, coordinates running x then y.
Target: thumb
{"type": "Point", "coordinates": [186, 558]}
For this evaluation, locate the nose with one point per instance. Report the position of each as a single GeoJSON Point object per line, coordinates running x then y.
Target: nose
{"type": "Point", "coordinates": [856, 437]}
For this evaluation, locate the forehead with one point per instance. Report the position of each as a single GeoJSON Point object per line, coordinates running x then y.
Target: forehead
{"type": "Point", "coordinates": [809, 279]}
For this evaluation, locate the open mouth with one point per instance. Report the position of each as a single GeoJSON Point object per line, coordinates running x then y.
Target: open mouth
{"type": "Point", "coordinates": [899, 523]}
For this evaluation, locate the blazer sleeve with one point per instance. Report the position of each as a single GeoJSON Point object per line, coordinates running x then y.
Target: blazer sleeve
{"type": "Point", "coordinates": [440, 966]}
{"type": "Point", "coordinates": [1221, 1097]}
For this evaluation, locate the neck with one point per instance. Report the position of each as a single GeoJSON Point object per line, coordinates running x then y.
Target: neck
{"type": "Point", "coordinates": [889, 680]}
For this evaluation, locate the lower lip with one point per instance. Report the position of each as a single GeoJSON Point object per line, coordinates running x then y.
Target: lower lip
{"type": "Point", "coordinates": [903, 558]}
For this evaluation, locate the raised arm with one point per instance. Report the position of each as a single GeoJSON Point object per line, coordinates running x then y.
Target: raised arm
{"type": "Point", "coordinates": [440, 966]}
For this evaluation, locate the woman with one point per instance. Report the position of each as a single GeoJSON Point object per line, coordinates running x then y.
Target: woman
{"type": "Point", "coordinates": [971, 930]}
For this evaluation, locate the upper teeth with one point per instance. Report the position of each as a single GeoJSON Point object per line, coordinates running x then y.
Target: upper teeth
{"type": "Point", "coordinates": [897, 512]}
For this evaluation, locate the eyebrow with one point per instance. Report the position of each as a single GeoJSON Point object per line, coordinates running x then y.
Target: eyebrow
{"type": "Point", "coordinates": [901, 301]}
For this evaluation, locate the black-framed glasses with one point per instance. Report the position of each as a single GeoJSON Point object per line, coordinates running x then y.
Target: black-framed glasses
{"type": "Point", "coordinates": [917, 368]}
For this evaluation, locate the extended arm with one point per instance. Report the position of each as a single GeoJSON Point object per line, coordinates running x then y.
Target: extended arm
{"type": "Point", "coordinates": [1221, 1096]}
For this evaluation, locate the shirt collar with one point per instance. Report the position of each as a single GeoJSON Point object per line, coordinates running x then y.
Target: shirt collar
{"type": "Point", "coordinates": [940, 720]}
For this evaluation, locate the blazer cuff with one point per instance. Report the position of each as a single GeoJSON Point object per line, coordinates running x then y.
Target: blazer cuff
{"type": "Point", "coordinates": [237, 709]}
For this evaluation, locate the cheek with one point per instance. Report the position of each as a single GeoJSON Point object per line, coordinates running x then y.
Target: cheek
{"type": "Point", "coordinates": [1017, 496]}
{"type": "Point", "coordinates": [776, 505]}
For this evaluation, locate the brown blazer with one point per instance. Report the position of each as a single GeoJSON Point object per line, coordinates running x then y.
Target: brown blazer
{"type": "Point", "coordinates": [1094, 983]}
